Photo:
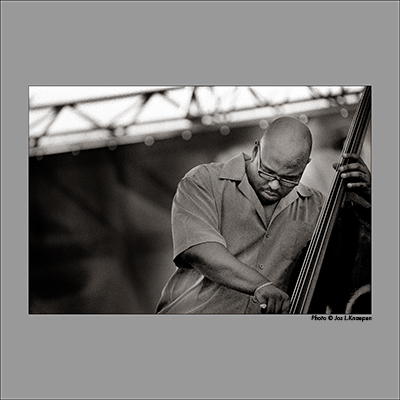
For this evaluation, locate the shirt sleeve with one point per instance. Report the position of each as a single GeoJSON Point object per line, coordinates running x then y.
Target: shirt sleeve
{"type": "Point", "coordinates": [194, 213]}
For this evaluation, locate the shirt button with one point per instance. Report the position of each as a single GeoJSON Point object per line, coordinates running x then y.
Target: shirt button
{"type": "Point", "coordinates": [261, 266]}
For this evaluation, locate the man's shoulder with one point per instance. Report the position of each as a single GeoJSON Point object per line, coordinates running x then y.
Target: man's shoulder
{"type": "Point", "coordinates": [306, 191]}
{"type": "Point", "coordinates": [202, 175]}
{"type": "Point", "coordinates": [209, 171]}
{"type": "Point", "coordinates": [234, 169]}
{"type": "Point", "coordinates": [205, 169]}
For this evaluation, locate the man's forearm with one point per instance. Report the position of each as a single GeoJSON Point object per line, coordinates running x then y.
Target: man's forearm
{"type": "Point", "coordinates": [216, 263]}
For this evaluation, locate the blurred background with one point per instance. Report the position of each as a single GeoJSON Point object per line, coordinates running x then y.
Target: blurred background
{"type": "Point", "coordinates": [104, 164]}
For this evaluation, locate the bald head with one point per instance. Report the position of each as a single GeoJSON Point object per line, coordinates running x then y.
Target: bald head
{"type": "Point", "coordinates": [290, 140]}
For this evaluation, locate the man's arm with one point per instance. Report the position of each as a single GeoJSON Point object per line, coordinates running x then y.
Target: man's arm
{"type": "Point", "coordinates": [216, 263]}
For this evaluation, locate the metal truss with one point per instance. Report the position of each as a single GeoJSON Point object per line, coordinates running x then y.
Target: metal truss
{"type": "Point", "coordinates": [136, 116]}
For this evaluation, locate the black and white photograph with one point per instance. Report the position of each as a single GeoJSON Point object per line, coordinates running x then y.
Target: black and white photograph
{"type": "Point", "coordinates": [200, 200]}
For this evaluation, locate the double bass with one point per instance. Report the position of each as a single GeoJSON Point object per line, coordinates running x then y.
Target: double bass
{"type": "Point", "coordinates": [335, 273]}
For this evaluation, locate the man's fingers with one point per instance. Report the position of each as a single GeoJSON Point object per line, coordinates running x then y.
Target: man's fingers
{"type": "Point", "coordinates": [276, 306]}
{"type": "Point", "coordinates": [272, 300]}
{"type": "Point", "coordinates": [356, 185]}
{"type": "Point", "coordinates": [354, 157]}
{"type": "Point", "coordinates": [353, 167]}
{"type": "Point", "coordinates": [271, 306]}
{"type": "Point", "coordinates": [354, 174]}
{"type": "Point", "coordinates": [263, 308]}
{"type": "Point", "coordinates": [286, 306]}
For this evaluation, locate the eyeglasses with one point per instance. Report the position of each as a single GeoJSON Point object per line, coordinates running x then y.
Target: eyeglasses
{"type": "Point", "coordinates": [271, 177]}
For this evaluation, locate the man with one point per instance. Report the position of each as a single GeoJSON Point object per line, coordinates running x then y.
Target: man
{"type": "Point", "coordinates": [239, 227]}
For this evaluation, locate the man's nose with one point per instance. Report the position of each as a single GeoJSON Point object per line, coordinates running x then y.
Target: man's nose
{"type": "Point", "coordinates": [274, 185]}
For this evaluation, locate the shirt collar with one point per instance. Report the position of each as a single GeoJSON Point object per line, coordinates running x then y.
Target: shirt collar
{"type": "Point", "coordinates": [235, 170]}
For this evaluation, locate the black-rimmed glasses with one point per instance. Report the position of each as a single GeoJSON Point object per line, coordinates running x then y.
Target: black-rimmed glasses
{"type": "Point", "coordinates": [271, 177]}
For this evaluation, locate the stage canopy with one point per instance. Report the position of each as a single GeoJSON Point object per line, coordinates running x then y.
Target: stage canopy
{"type": "Point", "coordinates": [74, 118]}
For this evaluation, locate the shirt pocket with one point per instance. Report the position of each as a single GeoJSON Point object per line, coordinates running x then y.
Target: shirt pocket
{"type": "Point", "coordinates": [294, 238]}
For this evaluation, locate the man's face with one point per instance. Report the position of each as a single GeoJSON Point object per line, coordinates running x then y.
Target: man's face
{"type": "Point", "coordinates": [273, 174]}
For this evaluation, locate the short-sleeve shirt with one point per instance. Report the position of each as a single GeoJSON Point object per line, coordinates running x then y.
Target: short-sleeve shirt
{"type": "Point", "coordinates": [216, 203]}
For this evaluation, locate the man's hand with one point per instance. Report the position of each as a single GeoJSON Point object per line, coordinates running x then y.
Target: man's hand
{"type": "Point", "coordinates": [357, 175]}
{"type": "Point", "coordinates": [273, 300]}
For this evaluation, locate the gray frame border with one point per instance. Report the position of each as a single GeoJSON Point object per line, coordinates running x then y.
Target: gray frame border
{"type": "Point", "coordinates": [271, 43]}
